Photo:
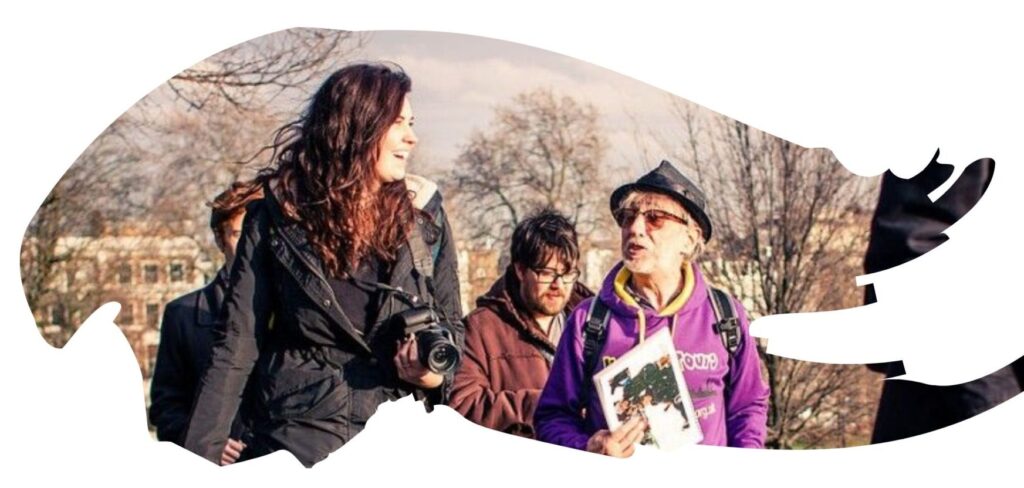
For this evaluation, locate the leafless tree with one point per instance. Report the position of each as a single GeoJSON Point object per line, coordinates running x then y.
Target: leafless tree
{"type": "Point", "coordinates": [81, 202]}
{"type": "Point", "coordinates": [230, 109]}
{"type": "Point", "coordinates": [251, 73]}
{"type": "Point", "coordinates": [164, 158]}
{"type": "Point", "coordinates": [201, 154]}
{"type": "Point", "coordinates": [541, 150]}
{"type": "Point", "coordinates": [790, 230]}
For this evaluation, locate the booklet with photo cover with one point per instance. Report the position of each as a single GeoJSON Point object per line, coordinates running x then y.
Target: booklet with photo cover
{"type": "Point", "coordinates": [648, 381]}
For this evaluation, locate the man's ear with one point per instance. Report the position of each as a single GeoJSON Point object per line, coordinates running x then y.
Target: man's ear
{"type": "Point", "coordinates": [519, 271]}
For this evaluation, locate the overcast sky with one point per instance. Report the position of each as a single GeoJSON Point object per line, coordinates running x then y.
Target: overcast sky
{"type": "Point", "coordinates": [458, 79]}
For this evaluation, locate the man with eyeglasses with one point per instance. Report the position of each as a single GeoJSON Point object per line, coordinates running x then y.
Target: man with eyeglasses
{"type": "Point", "coordinates": [658, 285]}
{"type": "Point", "coordinates": [511, 335]}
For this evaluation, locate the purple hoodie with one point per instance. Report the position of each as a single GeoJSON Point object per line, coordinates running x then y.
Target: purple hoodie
{"type": "Point", "coordinates": [739, 421]}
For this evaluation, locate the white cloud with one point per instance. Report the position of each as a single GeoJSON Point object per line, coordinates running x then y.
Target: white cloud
{"type": "Point", "coordinates": [455, 87]}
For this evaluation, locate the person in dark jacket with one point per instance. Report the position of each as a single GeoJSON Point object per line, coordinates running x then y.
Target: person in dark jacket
{"type": "Point", "coordinates": [907, 224]}
{"type": "Point", "coordinates": [186, 333]}
{"type": "Point", "coordinates": [342, 243]}
{"type": "Point", "coordinates": [511, 336]}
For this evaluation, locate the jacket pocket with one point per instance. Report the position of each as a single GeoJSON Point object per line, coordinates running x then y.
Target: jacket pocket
{"type": "Point", "coordinates": [312, 395]}
{"type": "Point", "coordinates": [518, 370]}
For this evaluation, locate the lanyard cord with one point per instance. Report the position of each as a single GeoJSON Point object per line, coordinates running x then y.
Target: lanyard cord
{"type": "Point", "coordinates": [643, 325]}
{"type": "Point", "coordinates": [642, 317]}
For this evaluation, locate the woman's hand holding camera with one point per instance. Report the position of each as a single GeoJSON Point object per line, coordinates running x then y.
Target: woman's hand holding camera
{"type": "Point", "coordinates": [411, 369]}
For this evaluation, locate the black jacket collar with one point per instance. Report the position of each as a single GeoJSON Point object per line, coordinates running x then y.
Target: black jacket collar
{"type": "Point", "coordinates": [210, 299]}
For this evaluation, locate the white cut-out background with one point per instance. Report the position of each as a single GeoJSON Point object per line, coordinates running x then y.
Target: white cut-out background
{"type": "Point", "coordinates": [881, 85]}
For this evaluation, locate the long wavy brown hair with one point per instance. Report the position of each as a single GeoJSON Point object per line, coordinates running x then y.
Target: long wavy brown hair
{"type": "Point", "coordinates": [324, 172]}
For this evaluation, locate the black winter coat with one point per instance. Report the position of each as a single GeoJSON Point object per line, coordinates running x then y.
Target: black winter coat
{"type": "Point", "coordinates": [186, 336]}
{"type": "Point", "coordinates": [907, 224]}
{"type": "Point", "coordinates": [320, 377]}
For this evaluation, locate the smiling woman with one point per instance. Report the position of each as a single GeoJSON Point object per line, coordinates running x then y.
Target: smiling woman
{"type": "Point", "coordinates": [396, 146]}
{"type": "Point", "coordinates": [341, 232]}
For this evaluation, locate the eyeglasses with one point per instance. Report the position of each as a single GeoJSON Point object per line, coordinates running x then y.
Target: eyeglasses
{"type": "Point", "coordinates": [654, 218]}
{"type": "Point", "coordinates": [547, 275]}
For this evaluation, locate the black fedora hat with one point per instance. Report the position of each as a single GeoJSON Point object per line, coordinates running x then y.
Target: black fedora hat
{"type": "Point", "coordinates": [667, 180]}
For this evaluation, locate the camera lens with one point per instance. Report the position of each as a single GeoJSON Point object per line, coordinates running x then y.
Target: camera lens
{"type": "Point", "coordinates": [443, 358]}
{"type": "Point", "coordinates": [437, 351]}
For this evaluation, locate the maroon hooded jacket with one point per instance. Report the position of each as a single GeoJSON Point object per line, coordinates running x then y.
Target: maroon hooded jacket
{"type": "Point", "coordinates": [506, 360]}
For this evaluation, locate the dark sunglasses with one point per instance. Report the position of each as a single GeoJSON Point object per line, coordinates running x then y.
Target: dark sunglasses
{"type": "Point", "coordinates": [654, 218]}
{"type": "Point", "coordinates": [547, 275]}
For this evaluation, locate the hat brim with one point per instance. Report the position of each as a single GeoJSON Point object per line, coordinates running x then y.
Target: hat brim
{"type": "Point", "coordinates": [702, 218]}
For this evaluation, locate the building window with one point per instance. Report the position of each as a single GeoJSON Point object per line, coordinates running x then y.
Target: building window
{"type": "Point", "coordinates": [152, 314]}
{"type": "Point", "coordinates": [57, 314]}
{"type": "Point", "coordinates": [177, 272]}
{"type": "Point", "coordinates": [124, 274]}
{"type": "Point", "coordinates": [127, 314]}
{"type": "Point", "coordinates": [150, 360]}
{"type": "Point", "coordinates": [149, 273]}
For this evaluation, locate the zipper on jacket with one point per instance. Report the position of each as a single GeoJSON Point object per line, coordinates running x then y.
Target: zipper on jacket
{"type": "Point", "coordinates": [313, 269]}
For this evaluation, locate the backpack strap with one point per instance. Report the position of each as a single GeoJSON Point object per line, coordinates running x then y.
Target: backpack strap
{"type": "Point", "coordinates": [593, 339]}
{"type": "Point", "coordinates": [727, 325]}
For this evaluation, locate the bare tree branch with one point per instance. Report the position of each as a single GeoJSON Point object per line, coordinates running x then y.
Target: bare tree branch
{"type": "Point", "coordinates": [157, 165]}
{"type": "Point", "coordinates": [251, 73]}
{"type": "Point", "coordinates": [541, 150]}
{"type": "Point", "coordinates": [790, 227]}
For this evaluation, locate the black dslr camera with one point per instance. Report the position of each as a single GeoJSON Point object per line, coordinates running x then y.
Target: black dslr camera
{"type": "Point", "coordinates": [436, 346]}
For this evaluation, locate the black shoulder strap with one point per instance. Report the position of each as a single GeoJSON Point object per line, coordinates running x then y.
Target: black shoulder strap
{"type": "Point", "coordinates": [434, 209]}
{"type": "Point", "coordinates": [727, 326]}
{"type": "Point", "coordinates": [426, 235]}
{"type": "Point", "coordinates": [593, 340]}
{"type": "Point", "coordinates": [422, 258]}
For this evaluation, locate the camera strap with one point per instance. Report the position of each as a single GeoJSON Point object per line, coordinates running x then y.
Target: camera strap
{"type": "Point", "coordinates": [423, 266]}
{"type": "Point", "coordinates": [422, 274]}
{"type": "Point", "coordinates": [372, 286]}
{"type": "Point", "coordinates": [422, 259]}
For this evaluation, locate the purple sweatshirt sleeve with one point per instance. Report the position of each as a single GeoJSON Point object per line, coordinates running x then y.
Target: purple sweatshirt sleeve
{"type": "Point", "coordinates": [557, 419]}
{"type": "Point", "coordinates": [747, 407]}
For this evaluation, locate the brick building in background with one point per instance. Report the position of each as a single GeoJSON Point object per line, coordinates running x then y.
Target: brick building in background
{"type": "Point", "coordinates": [141, 272]}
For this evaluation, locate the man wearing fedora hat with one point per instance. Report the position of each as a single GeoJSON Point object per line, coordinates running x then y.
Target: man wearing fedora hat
{"type": "Point", "coordinates": [658, 285]}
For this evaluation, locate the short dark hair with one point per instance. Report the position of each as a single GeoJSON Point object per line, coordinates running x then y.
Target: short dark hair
{"type": "Point", "coordinates": [232, 202]}
{"type": "Point", "coordinates": [541, 235]}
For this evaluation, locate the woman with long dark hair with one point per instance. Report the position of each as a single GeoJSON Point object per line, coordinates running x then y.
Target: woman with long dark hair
{"type": "Point", "coordinates": [342, 247]}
